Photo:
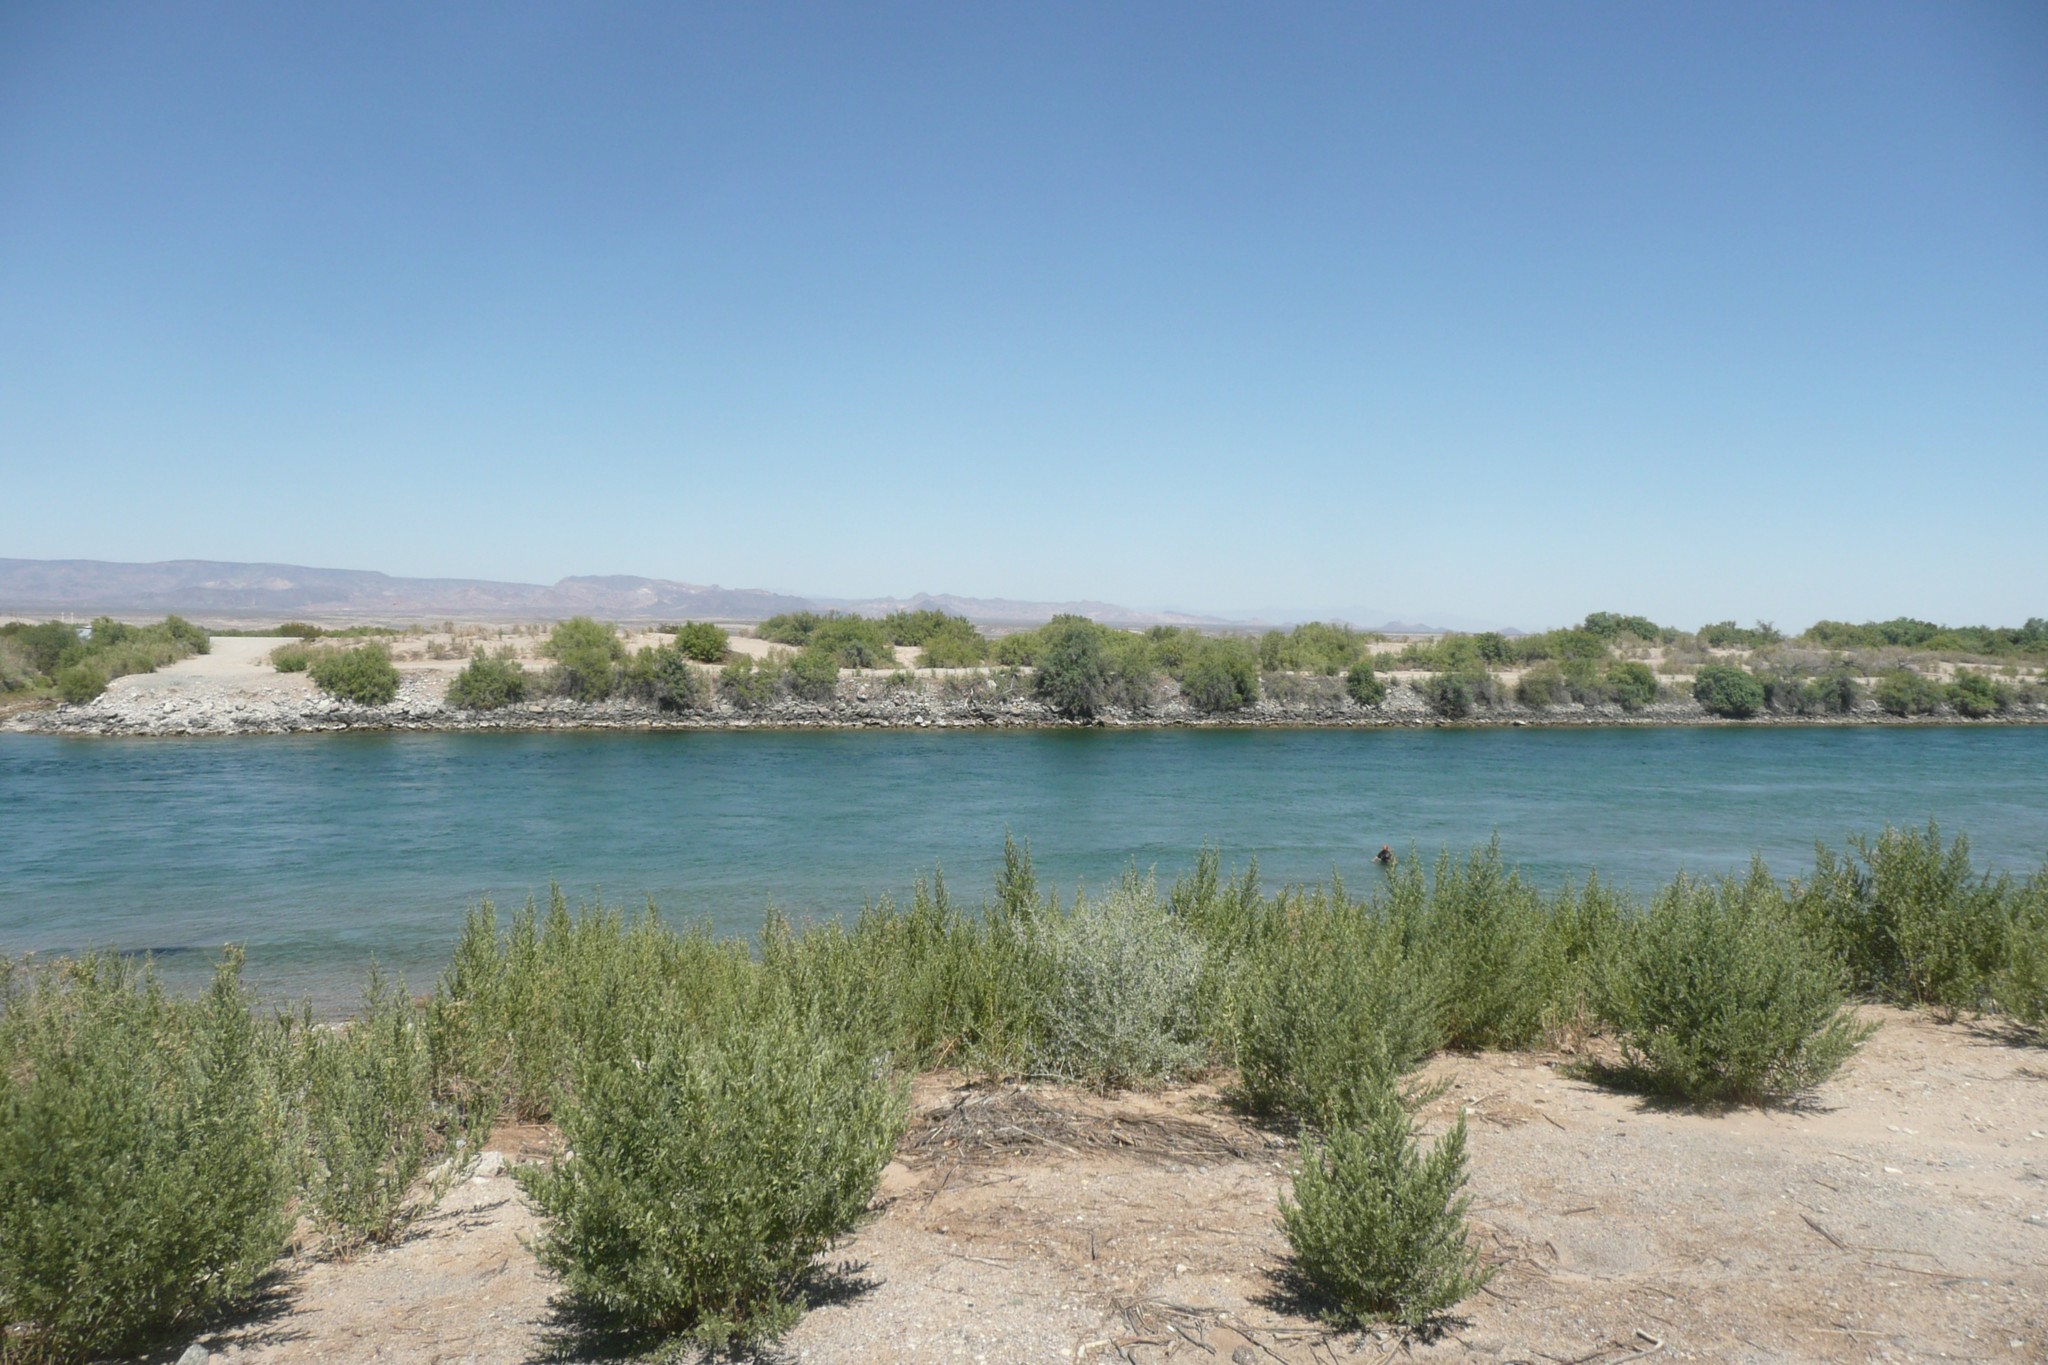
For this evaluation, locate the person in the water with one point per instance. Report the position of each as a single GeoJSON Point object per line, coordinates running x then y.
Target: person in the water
{"type": "Point", "coordinates": [1385, 857]}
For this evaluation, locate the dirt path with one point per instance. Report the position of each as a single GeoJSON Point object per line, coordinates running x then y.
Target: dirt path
{"type": "Point", "coordinates": [1903, 1215]}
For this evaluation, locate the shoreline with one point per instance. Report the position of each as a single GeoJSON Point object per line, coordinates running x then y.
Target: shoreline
{"type": "Point", "coordinates": [862, 704]}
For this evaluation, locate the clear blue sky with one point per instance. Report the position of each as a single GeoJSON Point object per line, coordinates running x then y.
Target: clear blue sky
{"type": "Point", "coordinates": [1500, 311]}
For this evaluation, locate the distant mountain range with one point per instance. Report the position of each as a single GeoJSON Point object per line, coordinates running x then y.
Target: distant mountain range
{"type": "Point", "coordinates": [278, 592]}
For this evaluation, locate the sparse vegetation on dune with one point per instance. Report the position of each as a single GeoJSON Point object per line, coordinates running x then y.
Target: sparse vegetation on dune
{"type": "Point", "coordinates": [153, 1151]}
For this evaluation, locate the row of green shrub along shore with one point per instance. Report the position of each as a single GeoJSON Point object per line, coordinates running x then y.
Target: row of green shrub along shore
{"type": "Point", "coordinates": [1082, 669]}
{"type": "Point", "coordinates": [726, 1108]}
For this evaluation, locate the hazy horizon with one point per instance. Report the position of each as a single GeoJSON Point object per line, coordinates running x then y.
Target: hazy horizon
{"type": "Point", "coordinates": [1466, 313]}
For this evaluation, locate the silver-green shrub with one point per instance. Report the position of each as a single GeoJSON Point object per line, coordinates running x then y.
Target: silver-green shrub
{"type": "Point", "coordinates": [1119, 999]}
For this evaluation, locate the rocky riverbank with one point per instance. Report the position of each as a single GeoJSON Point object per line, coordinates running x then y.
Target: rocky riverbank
{"type": "Point", "coordinates": [284, 705]}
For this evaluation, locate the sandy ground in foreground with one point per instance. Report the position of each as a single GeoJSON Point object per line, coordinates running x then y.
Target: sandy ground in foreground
{"type": "Point", "coordinates": [1901, 1215]}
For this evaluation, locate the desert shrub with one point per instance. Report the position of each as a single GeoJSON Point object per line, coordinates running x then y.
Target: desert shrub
{"type": "Point", "coordinates": [1377, 1225]}
{"type": "Point", "coordinates": [16, 673]}
{"type": "Point", "coordinates": [1834, 693]}
{"type": "Point", "coordinates": [954, 644]}
{"type": "Point", "coordinates": [791, 628]}
{"type": "Point", "coordinates": [1483, 939]}
{"type": "Point", "coordinates": [1609, 625]}
{"type": "Point", "coordinates": [1977, 695]}
{"type": "Point", "coordinates": [291, 658]}
{"type": "Point", "coordinates": [144, 1158]}
{"type": "Point", "coordinates": [1631, 685]}
{"type": "Point", "coordinates": [1716, 995]}
{"type": "Point", "coordinates": [1363, 685]}
{"type": "Point", "coordinates": [372, 1120]}
{"type": "Point", "coordinates": [814, 674]}
{"type": "Point", "coordinates": [706, 1168]}
{"type": "Point", "coordinates": [667, 678]}
{"type": "Point", "coordinates": [362, 675]}
{"type": "Point", "coordinates": [1327, 1001]}
{"type": "Point", "coordinates": [2020, 985]}
{"type": "Point", "coordinates": [1314, 647]}
{"type": "Point", "coordinates": [1728, 691]}
{"type": "Point", "coordinates": [1221, 675]}
{"type": "Point", "coordinates": [1903, 692]}
{"type": "Point", "coordinates": [853, 641]}
{"type": "Point", "coordinates": [1455, 694]}
{"type": "Point", "coordinates": [748, 685]}
{"type": "Point", "coordinates": [586, 654]}
{"type": "Point", "coordinates": [703, 642]}
{"type": "Point", "coordinates": [80, 682]}
{"type": "Point", "coordinates": [1073, 668]}
{"type": "Point", "coordinates": [46, 644]}
{"type": "Point", "coordinates": [1019, 649]}
{"type": "Point", "coordinates": [1728, 635]}
{"type": "Point", "coordinates": [1912, 921]}
{"type": "Point", "coordinates": [487, 684]}
{"type": "Point", "coordinates": [1119, 1007]}
{"type": "Point", "coordinates": [1541, 686]}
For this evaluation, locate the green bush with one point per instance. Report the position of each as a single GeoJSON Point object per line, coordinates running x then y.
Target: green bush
{"type": "Point", "coordinates": [373, 1122]}
{"type": "Point", "coordinates": [707, 1168]}
{"type": "Point", "coordinates": [1483, 939]}
{"type": "Point", "coordinates": [1717, 996]}
{"type": "Point", "coordinates": [703, 642]}
{"type": "Point", "coordinates": [852, 642]}
{"type": "Point", "coordinates": [1328, 1001]}
{"type": "Point", "coordinates": [362, 675]}
{"type": "Point", "coordinates": [814, 674]}
{"type": "Point", "coordinates": [487, 684]}
{"type": "Point", "coordinates": [145, 1163]}
{"type": "Point", "coordinates": [1976, 695]}
{"type": "Point", "coordinates": [1120, 998]}
{"type": "Point", "coordinates": [1315, 647]}
{"type": "Point", "coordinates": [1631, 685]}
{"type": "Point", "coordinates": [749, 685]}
{"type": "Point", "coordinates": [667, 678]}
{"type": "Point", "coordinates": [1455, 694]}
{"type": "Point", "coordinates": [1073, 667]}
{"type": "Point", "coordinates": [1363, 685]}
{"type": "Point", "coordinates": [291, 658]}
{"type": "Point", "coordinates": [955, 644]}
{"type": "Point", "coordinates": [2020, 985]}
{"type": "Point", "coordinates": [1378, 1225]}
{"type": "Point", "coordinates": [1903, 692]}
{"type": "Point", "coordinates": [1221, 675]}
{"type": "Point", "coordinates": [80, 682]}
{"type": "Point", "coordinates": [1541, 686]}
{"type": "Point", "coordinates": [1728, 691]}
{"type": "Point", "coordinates": [586, 654]}
{"type": "Point", "coordinates": [1912, 921]}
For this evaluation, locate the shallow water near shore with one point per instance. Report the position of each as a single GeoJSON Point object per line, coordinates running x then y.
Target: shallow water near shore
{"type": "Point", "coordinates": [317, 852]}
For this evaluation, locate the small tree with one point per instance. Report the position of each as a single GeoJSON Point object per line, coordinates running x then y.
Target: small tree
{"type": "Point", "coordinates": [80, 682]}
{"type": "Point", "coordinates": [1725, 690]}
{"type": "Point", "coordinates": [667, 678]}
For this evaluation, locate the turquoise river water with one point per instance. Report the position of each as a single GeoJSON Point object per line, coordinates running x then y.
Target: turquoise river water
{"type": "Point", "coordinates": [318, 851]}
